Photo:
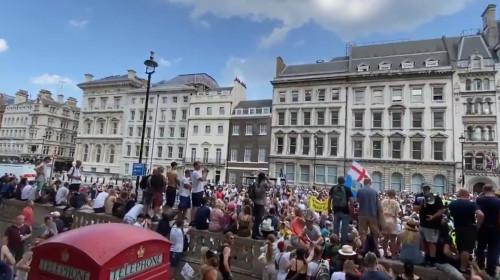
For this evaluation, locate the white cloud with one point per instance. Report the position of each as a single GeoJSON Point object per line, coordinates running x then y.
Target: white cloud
{"type": "Point", "coordinates": [52, 80]}
{"type": "Point", "coordinates": [254, 71]}
{"type": "Point", "coordinates": [348, 18]}
{"type": "Point", "coordinates": [78, 23]}
{"type": "Point", "coordinates": [3, 45]}
{"type": "Point", "coordinates": [167, 63]}
{"type": "Point", "coordinates": [205, 23]}
{"type": "Point", "coordinates": [299, 43]}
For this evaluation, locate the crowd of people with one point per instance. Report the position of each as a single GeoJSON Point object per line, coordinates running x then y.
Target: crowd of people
{"type": "Point", "coordinates": [455, 233]}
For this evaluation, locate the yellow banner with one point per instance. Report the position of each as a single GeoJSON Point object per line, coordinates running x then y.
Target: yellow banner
{"type": "Point", "coordinates": [318, 205]}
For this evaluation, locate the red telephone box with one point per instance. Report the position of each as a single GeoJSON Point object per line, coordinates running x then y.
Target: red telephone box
{"type": "Point", "coordinates": [102, 252]}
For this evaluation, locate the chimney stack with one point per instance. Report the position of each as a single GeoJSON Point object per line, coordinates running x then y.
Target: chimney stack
{"type": "Point", "coordinates": [131, 74]}
{"type": "Point", "coordinates": [280, 65]}
{"type": "Point", "coordinates": [60, 99]}
{"type": "Point", "coordinates": [88, 77]}
{"type": "Point", "coordinates": [45, 94]}
{"type": "Point", "coordinates": [72, 101]}
{"type": "Point", "coordinates": [490, 27]}
{"type": "Point", "coordinates": [21, 96]}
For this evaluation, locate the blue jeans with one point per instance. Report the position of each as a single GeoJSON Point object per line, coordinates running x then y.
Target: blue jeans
{"type": "Point", "coordinates": [343, 218]}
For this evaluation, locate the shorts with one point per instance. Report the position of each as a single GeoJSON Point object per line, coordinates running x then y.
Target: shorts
{"type": "Point", "coordinates": [197, 199]}
{"type": "Point", "coordinates": [157, 199]}
{"type": "Point", "coordinates": [184, 202]}
{"type": "Point", "coordinates": [74, 187]}
{"type": "Point", "coordinates": [17, 254]}
{"type": "Point", "coordinates": [147, 197]}
{"type": "Point", "coordinates": [171, 194]}
{"type": "Point", "coordinates": [466, 238]}
{"type": "Point", "coordinates": [367, 222]}
{"type": "Point", "coordinates": [430, 235]}
{"type": "Point", "coordinates": [175, 259]}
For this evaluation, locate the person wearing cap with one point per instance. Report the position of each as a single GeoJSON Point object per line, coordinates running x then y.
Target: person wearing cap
{"type": "Point", "coordinates": [465, 213]}
{"type": "Point", "coordinates": [56, 218]}
{"type": "Point", "coordinates": [311, 231]}
{"type": "Point", "coordinates": [430, 208]}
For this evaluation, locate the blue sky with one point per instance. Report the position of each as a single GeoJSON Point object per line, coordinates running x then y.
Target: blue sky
{"type": "Point", "coordinates": [45, 42]}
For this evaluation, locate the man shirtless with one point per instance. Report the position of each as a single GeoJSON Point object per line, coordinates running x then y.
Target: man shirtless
{"type": "Point", "coordinates": [172, 184]}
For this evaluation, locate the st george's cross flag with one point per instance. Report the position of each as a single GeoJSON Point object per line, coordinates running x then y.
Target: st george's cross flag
{"type": "Point", "coordinates": [355, 176]}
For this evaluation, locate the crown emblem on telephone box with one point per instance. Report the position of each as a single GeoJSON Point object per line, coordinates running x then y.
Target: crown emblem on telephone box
{"type": "Point", "coordinates": [140, 252]}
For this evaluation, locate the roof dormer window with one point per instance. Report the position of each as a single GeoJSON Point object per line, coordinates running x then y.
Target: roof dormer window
{"type": "Point", "coordinates": [363, 67]}
{"type": "Point", "coordinates": [431, 62]}
{"type": "Point", "coordinates": [476, 61]}
{"type": "Point", "coordinates": [407, 64]}
{"type": "Point", "coordinates": [384, 66]}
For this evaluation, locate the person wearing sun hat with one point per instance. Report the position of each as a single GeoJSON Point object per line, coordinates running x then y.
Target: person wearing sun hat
{"type": "Point", "coordinates": [409, 241]}
{"type": "Point", "coordinates": [311, 231]}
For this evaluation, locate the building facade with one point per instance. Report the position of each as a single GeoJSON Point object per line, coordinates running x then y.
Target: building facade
{"type": "Point", "coordinates": [249, 139]}
{"type": "Point", "coordinates": [208, 128]}
{"type": "Point", "coordinates": [42, 127]}
{"type": "Point", "coordinates": [395, 108]}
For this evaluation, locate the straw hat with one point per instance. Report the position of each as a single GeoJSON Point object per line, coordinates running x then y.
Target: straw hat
{"type": "Point", "coordinates": [347, 251]}
{"type": "Point", "coordinates": [310, 216]}
{"type": "Point", "coordinates": [411, 225]}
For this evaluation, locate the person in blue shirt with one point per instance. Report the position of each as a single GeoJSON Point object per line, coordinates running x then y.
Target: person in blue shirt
{"type": "Point", "coordinates": [201, 216]}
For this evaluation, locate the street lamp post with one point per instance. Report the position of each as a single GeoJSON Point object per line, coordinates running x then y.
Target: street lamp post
{"type": "Point", "coordinates": [150, 69]}
{"type": "Point", "coordinates": [462, 140]}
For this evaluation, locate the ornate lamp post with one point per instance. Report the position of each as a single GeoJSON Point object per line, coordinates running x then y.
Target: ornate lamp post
{"type": "Point", "coordinates": [462, 140]}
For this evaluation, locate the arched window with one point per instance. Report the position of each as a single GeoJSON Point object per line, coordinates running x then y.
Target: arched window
{"type": "Point", "coordinates": [416, 182]}
{"type": "Point", "coordinates": [477, 84]}
{"type": "Point", "coordinates": [491, 134]}
{"type": "Point", "coordinates": [478, 106]}
{"type": "Point", "coordinates": [439, 184]}
{"type": "Point", "coordinates": [377, 181]}
{"type": "Point", "coordinates": [88, 127]}
{"type": "Point", "coordinates": [112, 154]}
{"type": "Point", "coordinates": [470, 133]}
{"type": "Point", "coordinates": [479, 161]}
{"type": "Point", "coordinates": [487, 106]}
{"type": "Point", "coordinates": [486, 84]}
{"type": "Point", "coordinates": [486, 134]}
{"type": "Point", "coordinates": [396, 181]}
{"type": "Point", "coordinates": [478, 132]}
{"type": "Point", "coordinates": [468, 161]}
{"type": "Point", "coordinates": [467, 85]}
{"type": "Point", "coordinates": [85, 153]}
{"type": "Point", "coordinates": [98, 153]}
{"type": "Point", "coordinates": [469, 107]}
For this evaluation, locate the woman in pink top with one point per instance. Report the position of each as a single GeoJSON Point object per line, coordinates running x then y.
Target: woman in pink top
{"type": "Point", "coordinates": [29, 220]}
{"type": "Point", "coordinates": [216, 217]}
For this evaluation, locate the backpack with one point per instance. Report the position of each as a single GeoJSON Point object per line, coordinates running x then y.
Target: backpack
{"type": "Point", "coordinates": [77, 201]}
{"type": "Point", "coordinates": [323, 272]}
{"type": "Point", "coordinates": [339, 199]}
{"type": "Point", "coordinates": [144, 182]}
{"type": "Point", "coordinates": [277, 263]}
{"type": "Point", "coordinates": [267, 224]}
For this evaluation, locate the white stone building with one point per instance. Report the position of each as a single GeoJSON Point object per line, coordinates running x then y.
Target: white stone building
{"type": "Point", "coordinates": [208, 129]}
{"type": "Point", "coordinates": [42, 127]}
{"type": "Point", "coordinates": [112, 119]}
{"type": "Point", "coordinates": [396, 108]}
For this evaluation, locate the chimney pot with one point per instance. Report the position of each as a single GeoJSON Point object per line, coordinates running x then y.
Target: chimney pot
{"type": "Point", "coordinates": [88, 77]}
{"type": "Point", "coordinates": [60, 99]}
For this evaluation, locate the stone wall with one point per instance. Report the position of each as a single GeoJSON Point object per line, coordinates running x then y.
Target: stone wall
{"type": "Point", "coordinates": [245, 251]}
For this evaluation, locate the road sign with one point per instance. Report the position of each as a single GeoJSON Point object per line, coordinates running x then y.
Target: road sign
{"type": "Point", "coordinates": [138, 169]}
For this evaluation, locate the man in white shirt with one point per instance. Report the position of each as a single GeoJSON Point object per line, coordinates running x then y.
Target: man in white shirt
{"type": "Point", "coordinates": [198, 178]}
{"type": "Point", "coordinates": [177, 239]}
{"type": "Point", "coordinates": [41, 173]}
{"type": "Point", "coordinates": [131, 216]}
{"type": "Point", "coordinates": [62, 195]}
{"type": "Point", "coordinates": [33, 193]}
{"type": "Point", "coordinates": [75, 176]}
{"type": "Point", "coordinates": [25, 192]}
{"type": "Point", "coordinates": [99, 201]}
{"type": "Point", "coordinates": [184, 194]}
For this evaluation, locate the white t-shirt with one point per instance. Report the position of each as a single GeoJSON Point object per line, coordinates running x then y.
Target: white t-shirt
{"type": "Point", "coordinates": [137, 224]}
{"type": "Point", "coordinates": [185, 192]}
{"type": "Point", "coordinates": [312, 268]}
{"type": "Point", "coordinates": [283, 259]}
{"type": "Point", "coordinates": [177, 239]}
{"type": "Point", "coordinates": [339, 275]}
{"type": "Point", "coordinates": [62, 194]}
{"type": "Point", "coordinates": [32, 193]}
{"type": "Point", "coordinates": [135, 211]}
{"type": "Point", "coordinates": [196, 176]}
{"type": "Point", "coordinates": [100, 199]}
{"type": "Point", "coordinates": [77, 173]}
{"type": "Point", "coordinates": [25, 192]}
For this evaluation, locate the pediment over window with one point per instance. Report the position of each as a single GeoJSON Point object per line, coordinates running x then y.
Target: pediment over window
{"type": "Point", "coordinates": [407, 64]}
{"type": "Point", "coordinates": [279, 132]}
{"type": "Point", "coordinates": [397, 107]}
{"type": "Point", "coordinates": [292, 132]}
{"type": "Point", "coordinates": [320, 132]}
{"type": "Point", "coordinates": [334, 132]}
{"type": "Point", "coordinates": [384, 65]}
{"type": "Point", "coordinates": [417, 135]}
{"type": "Point", "coordinates": [363, 67]}
{"type": "Point", "coordinates": [205, 144]}
{"type": "Point", "coordinates": [431, 62]}
{"type": "Point", "coordinates": [359, 135]}
{"type": "Point", "coordinates": [397, 135]}
{"type": "Point", "coordinates": [377, 135]}
{"type": "Point", "coordinates": [306, 132]}
{"type": "Point", "coordinates": [439, 135]}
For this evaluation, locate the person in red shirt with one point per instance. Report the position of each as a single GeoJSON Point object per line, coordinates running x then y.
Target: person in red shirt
{"type": "Point", "coordinates": [29, 219]}
{"type": "Point", "coordinates": [219, 194]}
